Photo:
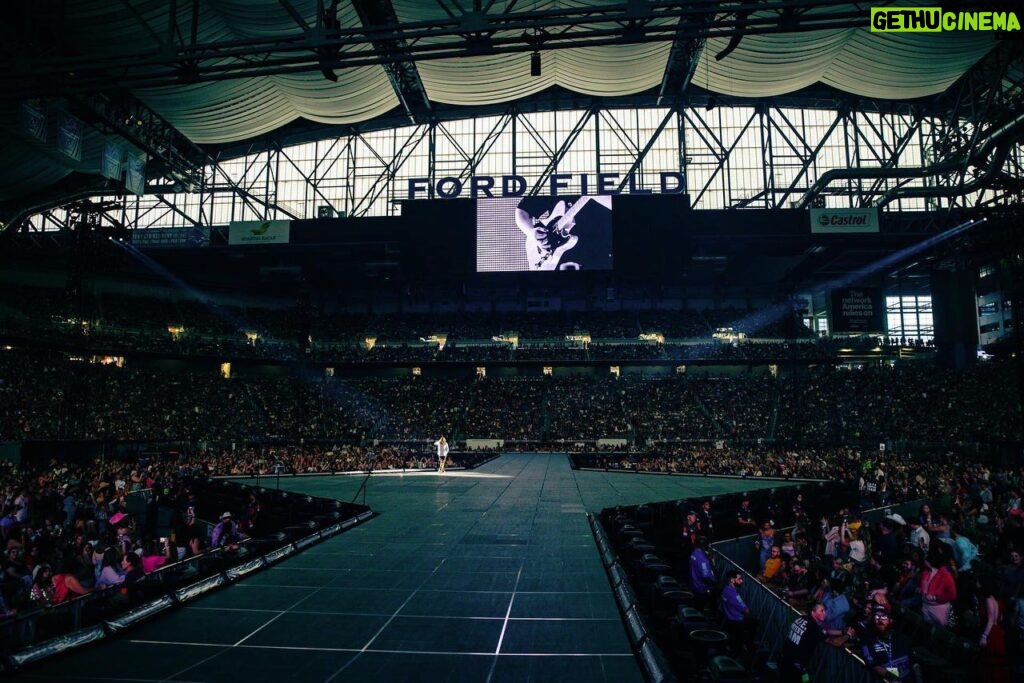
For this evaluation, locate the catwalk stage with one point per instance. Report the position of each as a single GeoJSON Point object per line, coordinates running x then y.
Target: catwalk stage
{"type": "Point", "coordinates": [483, 575]}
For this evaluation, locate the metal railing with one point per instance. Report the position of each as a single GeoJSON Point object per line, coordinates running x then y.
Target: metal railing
{"type": "Point", "coordinates": [774, 616]}
{"type": "Point", "coordinates": [42, 623]}
{"type": "Point", "coordinates": [47, 630]}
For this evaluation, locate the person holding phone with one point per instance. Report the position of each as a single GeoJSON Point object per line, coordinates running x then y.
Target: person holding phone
{"type": "Point", "coordinates": [156, 555]}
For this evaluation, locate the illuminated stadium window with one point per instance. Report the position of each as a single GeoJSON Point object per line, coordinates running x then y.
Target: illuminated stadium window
{"type": "Point", "coordinates": [725, 151]}
{"type": "Point", "coordinates": [225, 370]}
{"type": "Point", "coordinates": [910, 318]}
{"type": "Point", "coordinates": [614, 370]}
{"type": "Point", "coordinates": [416, 372]}
{"type": "Point", "coordinates": [680, 369]}
{"type": "Point", "coordinates": [548, 370]}
{"type": "Point", "coordinates": [329, 372]}
{"type": "Point", "coordinates": [481, 372]}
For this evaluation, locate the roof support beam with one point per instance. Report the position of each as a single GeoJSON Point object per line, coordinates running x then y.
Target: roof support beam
{"type": "Point", "coordinates": [382, 40]}
{"type": "Point", "coordinates": [128, 118]}
{"type": "Point", "coordinates": [563, 149]}
{"type": "Point", "coordinates": [402, 73]}
{"type": "Point", "coordinates": [142, 22]}
{"type": "Point", "coordinates": [294, 14]}
{"type": "Point", "coordinates": [642, 154]}
{"type": "Point", "coordinates": [682, 64]}
{"type": "Point", "coordinates": [171, 156]}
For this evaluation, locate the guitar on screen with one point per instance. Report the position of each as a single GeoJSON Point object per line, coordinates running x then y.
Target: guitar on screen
{"type": "Point", "coordinates": [549, 236]}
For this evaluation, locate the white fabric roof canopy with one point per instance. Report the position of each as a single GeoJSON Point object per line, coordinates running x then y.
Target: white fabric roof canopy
{"type": "Point", "coordinates": [874, 65]}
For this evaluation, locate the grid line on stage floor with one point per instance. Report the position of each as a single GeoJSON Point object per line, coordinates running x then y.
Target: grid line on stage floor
{"type": "Point", "coordinates": [486, 575]}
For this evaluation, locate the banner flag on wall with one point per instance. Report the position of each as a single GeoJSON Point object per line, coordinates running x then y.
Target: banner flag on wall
{"type": "Point", "coordinates": [69, 137]}
{"type": "Point", "coordinates": [135, 175]}
{"type": "Point", "coordinates": [33, 121]}
{"type": "Point", "coordinates": [110, 166]}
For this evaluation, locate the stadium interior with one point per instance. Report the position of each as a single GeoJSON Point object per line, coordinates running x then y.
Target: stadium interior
{"type": "Point", "coordinates": [575, 340]}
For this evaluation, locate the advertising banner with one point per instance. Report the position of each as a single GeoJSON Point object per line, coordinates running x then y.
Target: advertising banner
{"type": "Point", "coordinates": [259, 232]}
{"type": "Point", "coordinates": [844, 221]}
{"type": "Point", "coordinates": [857, 309]}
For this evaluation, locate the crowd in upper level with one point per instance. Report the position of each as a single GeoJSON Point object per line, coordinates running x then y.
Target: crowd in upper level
{"type": "Point", "coordinates": [108, 323]}
{"type": "Point", "coordinates": [54, 397]}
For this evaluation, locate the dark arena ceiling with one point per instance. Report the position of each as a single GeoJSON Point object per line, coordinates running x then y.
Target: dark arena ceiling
{"type": "Point", "coordinates": [188, 81]}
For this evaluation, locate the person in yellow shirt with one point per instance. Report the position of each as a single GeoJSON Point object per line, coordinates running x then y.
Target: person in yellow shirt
{"type": "Point", "coordinates": [772, 566]}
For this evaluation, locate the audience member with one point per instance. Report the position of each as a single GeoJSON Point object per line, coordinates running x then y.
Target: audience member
{"type": "Point", "coordinates": [804, 635]}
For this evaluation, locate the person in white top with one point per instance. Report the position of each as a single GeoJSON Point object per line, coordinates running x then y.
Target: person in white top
{"type": "Point", "coordinates": [442, 453]}
{"type": "Point", "coordinates": [919, 536]}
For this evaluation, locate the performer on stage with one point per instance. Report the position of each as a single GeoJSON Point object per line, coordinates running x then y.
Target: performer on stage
{"type": "Point", "coordinates": [442, 453]}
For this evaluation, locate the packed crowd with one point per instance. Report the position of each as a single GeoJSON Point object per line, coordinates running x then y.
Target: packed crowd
{"type": "Point", "coordinates": [667, 412]}
{"type": "Point", "coordinates": [902, 402]}
{"type": "Point", "coordinates": [263, 461]}
{"type": "Point", "coordinates": [951, 569]}
{"type": "Point", "coordinates": [70, 529]}
{"type": "Point", "coordinates": [65, 533]}
{"type": "Point", "coordinates": [123, 325]}
{"type": "Point", "coordinates": [52, 397]}
{"type": "Point", "coordinates": [84, 320]}
{"type": "Point", "coordinates": [898, 476]}
{"type": "Point", "coordinates": [578, 408]}
{"type": "Point", "coordinates": [938, 589]}
{"type": "Point", "coordinates": [239, 347]}
{"type": "Point", "coordinates": [511, 409]}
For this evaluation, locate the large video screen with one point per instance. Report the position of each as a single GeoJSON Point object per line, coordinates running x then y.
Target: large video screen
{"type": "Point", "coordinates": [543, 233]}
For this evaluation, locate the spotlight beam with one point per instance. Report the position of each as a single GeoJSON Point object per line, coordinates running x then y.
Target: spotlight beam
{"type": "Point", "coordinates": [776, 312]}
{"type": "Point", "coordinates": [343, 395]}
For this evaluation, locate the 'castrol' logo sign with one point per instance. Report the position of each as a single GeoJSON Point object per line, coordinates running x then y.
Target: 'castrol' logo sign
{"type": "Point", "coordinates": [844, 220]}
{"type": "Point", "coordinates": [836, 219]}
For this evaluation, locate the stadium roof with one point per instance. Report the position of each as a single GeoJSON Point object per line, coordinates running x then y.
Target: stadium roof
{"type": "Point", "coordinates": [177, 80]}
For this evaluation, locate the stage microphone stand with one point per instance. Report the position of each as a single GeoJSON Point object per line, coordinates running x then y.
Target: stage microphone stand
{"type": "Point", "coordinates": [370, 456]}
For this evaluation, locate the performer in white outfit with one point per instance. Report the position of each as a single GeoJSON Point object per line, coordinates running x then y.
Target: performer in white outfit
{"type": "Point", "coordinates": [442, 453]}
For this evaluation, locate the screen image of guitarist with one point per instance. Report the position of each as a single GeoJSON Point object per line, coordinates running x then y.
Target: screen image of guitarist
{"type": "Point", "coordinates": [551, 233]}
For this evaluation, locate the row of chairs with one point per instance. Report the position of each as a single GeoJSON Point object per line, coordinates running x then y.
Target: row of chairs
{"type": "Point", "coordinates": [685, 632]}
